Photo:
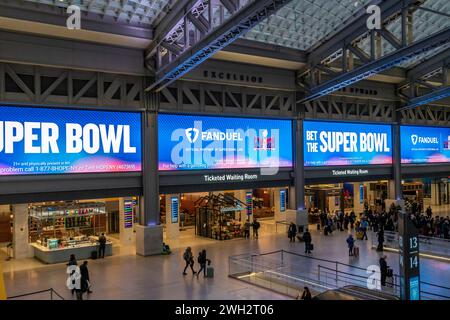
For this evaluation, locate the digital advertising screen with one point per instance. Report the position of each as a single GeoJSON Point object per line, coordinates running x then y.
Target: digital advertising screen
{"type": "Point", "coordinates": [59, 141]}
{"type": "Point", "coordinates": [343, 144]}
{"type": "Point", "coordinates": [421, 145]}
{"type": "Point", "coordinates": [195, 142]}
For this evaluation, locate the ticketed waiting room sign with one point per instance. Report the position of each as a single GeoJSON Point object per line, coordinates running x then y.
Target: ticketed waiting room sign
{"type": "Point", "coordinates": [59, 141]}
{"type": "Point", "coordinates": [340, 144]}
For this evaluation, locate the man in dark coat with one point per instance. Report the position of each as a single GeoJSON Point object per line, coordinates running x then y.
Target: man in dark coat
{"type": "Point", "coordinates": [85, 281]}
{"type": "Point", "coordinates": [383, 270]}
{"type": "Point", "coordinates": [292, 232]}
{"type": "Point", "coordinates": [102, 246]}
{"type": "Point", "coordinates": [307, 239]}
{"type": "Point", "coordinates": [380, 240]}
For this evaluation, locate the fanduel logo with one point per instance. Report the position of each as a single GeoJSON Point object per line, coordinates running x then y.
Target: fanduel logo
{"type": "Point", "coordinates": [192, 134]}
{"type": "Point", "coordinates": [426, 140]}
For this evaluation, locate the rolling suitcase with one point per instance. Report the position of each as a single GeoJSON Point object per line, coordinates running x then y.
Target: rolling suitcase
{"type": "Point", "coordinates": [356, 252]}
{"type": "Point", "coordinates": [318, 226]}
{"type": "Point", "coordinates": [209, 272]}
{"type": "Point", "coordinates": [94, 255]}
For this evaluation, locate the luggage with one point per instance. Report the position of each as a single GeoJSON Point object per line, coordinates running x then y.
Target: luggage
{"type": "Point", "coordinates": [311, 247]}
{"type": "Point", "coordinates": [359, 235]}
{"type": "Point", "coordinates": [209, 272]}
{"type": "Point", "coordinates": [356, 252]}
{"type": "Point", "coordinates": [389, 273]}
{"type": "Point", "coordinates": [94, 255]}
{"type": "Point", "coordinates": [325, 231]}
{"type": "Point", "coordinates": [318, 226]}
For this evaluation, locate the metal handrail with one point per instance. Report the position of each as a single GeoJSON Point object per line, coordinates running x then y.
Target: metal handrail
{"type": "Point", "coordinates": [51, 290]}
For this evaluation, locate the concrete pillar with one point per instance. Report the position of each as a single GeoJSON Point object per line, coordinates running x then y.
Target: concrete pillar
{"type": "Point", "coordinates": [126, 234]}
{"type": "Point", "coordinates": [391, 190]}
{"type": "Point", "coordinates": [357, 206]}
{"type": "Point", "coordinates": [21, 246]}
{"type": "Point", "coordinates": [172, 226]}
{"type": "Point", "coordinates": [332, 203]}
{"type": "Point", "coordinates": [435, 194]}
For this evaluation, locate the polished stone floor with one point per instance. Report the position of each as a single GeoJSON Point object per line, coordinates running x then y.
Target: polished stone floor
{"type": "Point", "coordinates": [127, 276]}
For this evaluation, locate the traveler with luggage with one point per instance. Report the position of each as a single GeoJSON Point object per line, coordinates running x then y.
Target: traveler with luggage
{"type": "Point", "coordinates": [384, 270]}
{"type": "Point", "coordinates": [351, 244]}
{"type": "Point", "coordinates": [202, 260]}
{"type": "Point", "coordinates": [102, 246]}
{"type": "Point", "coordinates": [307, 239]}
{"type": "Point", "coordinates": [292, 232]}
{"type": "Point", "coordinates": [256, 225]}
{"type": "Point", "coordinates": [189, 259]}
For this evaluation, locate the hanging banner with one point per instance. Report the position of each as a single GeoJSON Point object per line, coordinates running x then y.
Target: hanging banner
{"type": "Point", "coordinates": [59, 141]}
{"type": "Point", "coordinates": [206, 143]}
{"type": "Point", "coordinates": [425, 145]}
{"type": "Point", "coordinates": [343, 144]}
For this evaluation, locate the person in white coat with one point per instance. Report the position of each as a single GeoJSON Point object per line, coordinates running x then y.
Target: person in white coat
{"type": "Point", "coordinates": [74, 280]}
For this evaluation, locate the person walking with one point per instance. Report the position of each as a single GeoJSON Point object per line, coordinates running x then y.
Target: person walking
{"type": "Point", "coordinates": [247, 226]}
{"type": "Point", "coordinates": [85, 281]}
{"type": "Point", "coordinates": [351, 244]}
{"type": "Point", "coordinates": [364, 226]}
{"type": "Point", "coordinates": [380, 240]}
{"type": "Point", "coordinates": [352, 219]}
{"type": "Point", "coordinates": [307, 239]}
{"type": "Point", "coordinates": [383, 270]}
{"type": "Point", "coordinates": [189, 259]}
{"type": "Point", "coordinates": [256, 225]}
{"type": "Point", "coordinates": [202, 261]}
{"type": "Point", "coordinates": [292, 232]}
{"type": "Point", "coordinates": [306, 294]}
{"type": "Point", "coordinates": [72, 262]}
{"type": "Point", "coordinates": [102, 246]}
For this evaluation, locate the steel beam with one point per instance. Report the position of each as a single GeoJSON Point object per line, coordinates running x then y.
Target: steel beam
{"type": "Point", "coordinates": [231, 29]}
{"type": "Point", "coordinates": [399, 56]}
{"type": "Point", "coordinates": [435, 95]}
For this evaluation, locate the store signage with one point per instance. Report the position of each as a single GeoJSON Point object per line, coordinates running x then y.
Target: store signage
{"type": "Point", "coordinates": [340, 144]}
{"type": "Point", "coordinates": [249, 202]}
{"type": "Point", "coordinates": [128, 214]}
{"type": "Point", "coordinates": [56, 141]}
{"type": "Point", "coordinates": [425, 144]}
{"type": "Point", "coordinates": [231, 76]}
{"type": "Point", "coordinates": [282, 200]}
{"type": "Point", "coordinates": [206, 143]}
{"type": "Point", "coordinates": [175, 209]}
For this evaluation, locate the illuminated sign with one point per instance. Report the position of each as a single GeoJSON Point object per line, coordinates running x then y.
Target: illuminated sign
{"type": "Point", "coordinates": [282, 200]}
{"type": "Point", "coordinates": [341, 144]}
{"type": "Point", "coordinates": [57, 141]}
{"type": "Point", "coordinates": [249, 202]}
{"type": "Point", "coordinates": [128, 214]}
{"type": "Point", "coordinates": [425, 144]}
{"type": "Point", "coordinates": [175, 209]}
{"type": "Point", "coordinates": [204, 143]}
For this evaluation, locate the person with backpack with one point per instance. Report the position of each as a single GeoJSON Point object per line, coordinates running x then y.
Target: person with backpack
{"type": "Point", "coordinates": [202, 261]}
{"type": "Point", "coordinates": [292, 232]}
{"type": "Point", "coordinates": [307, 239]}
{"type": "Point", "coordinates": [256, 225]}
{"type": "Point", "coordinates": [351, 244]}
{"type": "Point", "coordinates": [189, 259]}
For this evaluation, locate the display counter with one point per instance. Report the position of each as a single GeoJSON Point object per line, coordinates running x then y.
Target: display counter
{"type": "Point", "coordinates": [82, 249]}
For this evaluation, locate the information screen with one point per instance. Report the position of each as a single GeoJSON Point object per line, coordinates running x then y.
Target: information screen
{"type": "Point", "coordinates": [189, 142]}
{"type": "Point", "coordinates": [59, 141]}
{"type": "Point", "coordinates": [343, 144]}
{"type": "Point", "coordinates": [425, 144]}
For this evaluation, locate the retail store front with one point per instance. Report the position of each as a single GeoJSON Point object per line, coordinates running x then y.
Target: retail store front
{"type": "Point", "coordinates": [52, 231]}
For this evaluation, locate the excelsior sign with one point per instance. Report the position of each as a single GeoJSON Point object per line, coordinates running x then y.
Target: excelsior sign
{"type": "Point", "coordinates": [204, 143]}
{"type": "Point", "coordinates": [57, 141]}
{"type": "Point", "coordinates": [340, 144]}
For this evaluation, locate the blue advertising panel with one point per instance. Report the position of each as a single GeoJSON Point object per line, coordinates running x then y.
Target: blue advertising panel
{"type": "Point", "coordinates": [175, 209]}
{"type": "Point", "coordinates": [341, 144]}
{"type": "Point", "coordinates": [194, 142]}
{"type": "Point", "coordinates": [59, 141]}
{"type": "Point", "coordinates": [425, 144]}
{"type": "Point", "coordinates": [282, 200]}
{"type": "Point", "coordinates": [249, 202]}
